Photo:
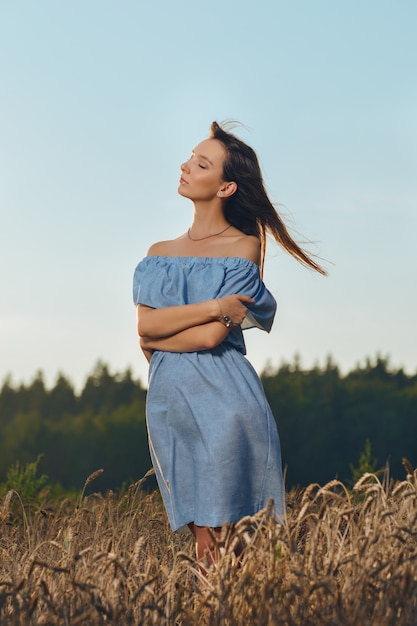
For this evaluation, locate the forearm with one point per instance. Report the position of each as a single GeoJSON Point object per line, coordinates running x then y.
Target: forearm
{"type": "Point", "coordinates": [147, 353]}
{"type": "Point", "coordinates": [203, 337]}
{"type": "Point", "coordinates": [168, 321]}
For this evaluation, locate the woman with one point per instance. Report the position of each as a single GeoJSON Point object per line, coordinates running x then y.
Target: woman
{"type": "Point", "coordinates": [213, 440]}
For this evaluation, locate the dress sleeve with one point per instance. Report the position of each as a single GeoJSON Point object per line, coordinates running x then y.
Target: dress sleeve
{"type": "Point", "coordinates": [137, 284]}
{"type": "Point", "coordinates": [153, 284]}
{"type": "Point", "coordinates": [245, 279]}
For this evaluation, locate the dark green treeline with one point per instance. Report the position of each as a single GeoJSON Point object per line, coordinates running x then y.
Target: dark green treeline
{"type": "Point", "coordinates": [324, 420]}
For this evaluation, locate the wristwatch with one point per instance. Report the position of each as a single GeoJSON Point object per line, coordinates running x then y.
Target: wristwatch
{"type": "Point", "coordinates": [227, 321]}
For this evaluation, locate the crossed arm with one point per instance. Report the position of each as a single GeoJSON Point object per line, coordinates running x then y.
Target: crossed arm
{"type": "Point", "coordinates": [188, 327]}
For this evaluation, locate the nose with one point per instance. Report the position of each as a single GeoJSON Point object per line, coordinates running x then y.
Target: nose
{"type": "Point", "coordinates": [185, 167]}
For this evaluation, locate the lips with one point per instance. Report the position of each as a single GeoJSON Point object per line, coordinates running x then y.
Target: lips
{"type": "Point", "coordinates": [183, 182]}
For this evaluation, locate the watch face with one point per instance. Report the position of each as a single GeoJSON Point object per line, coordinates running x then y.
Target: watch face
{"type": "Point", "coordinates": [227, 320]}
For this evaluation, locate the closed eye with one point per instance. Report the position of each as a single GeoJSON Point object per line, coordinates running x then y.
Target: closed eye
{"type": "Point", "coordinates": [200, 157]}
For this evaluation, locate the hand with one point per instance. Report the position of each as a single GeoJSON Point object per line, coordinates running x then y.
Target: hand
{"type": "Point", "coordinates": [234, 307]}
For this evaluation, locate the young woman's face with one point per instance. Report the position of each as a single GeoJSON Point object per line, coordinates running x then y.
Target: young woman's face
{"type": "Point", "coordinates": [202, 175]}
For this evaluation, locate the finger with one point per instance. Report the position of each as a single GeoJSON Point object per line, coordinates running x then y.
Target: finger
{"type": "Point", "coordinates": [243, 298]}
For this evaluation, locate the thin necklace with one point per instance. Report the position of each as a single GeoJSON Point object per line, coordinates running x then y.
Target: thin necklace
{"type": "Point", "coordinates": [208, 236]}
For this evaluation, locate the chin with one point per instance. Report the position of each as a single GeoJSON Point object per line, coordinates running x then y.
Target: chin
{"type": "Point", "coordinates": [182, 191]}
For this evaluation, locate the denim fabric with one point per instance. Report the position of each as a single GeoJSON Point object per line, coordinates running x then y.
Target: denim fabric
{"type": "Point", "coordinates": [212, 437]}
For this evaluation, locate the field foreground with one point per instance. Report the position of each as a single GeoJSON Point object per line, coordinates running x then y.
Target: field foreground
{"type": "Point", "coordinates": [343, 557]}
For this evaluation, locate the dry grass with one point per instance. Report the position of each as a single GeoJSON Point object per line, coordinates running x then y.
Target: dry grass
{"type": "Point", "coordinates": [343, 557]}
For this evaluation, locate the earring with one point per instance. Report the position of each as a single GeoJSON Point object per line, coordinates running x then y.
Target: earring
{"type": "Point", "coordinates": [219, 194]}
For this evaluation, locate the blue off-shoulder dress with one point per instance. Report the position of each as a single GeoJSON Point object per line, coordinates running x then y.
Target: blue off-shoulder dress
{"type": "Point", "coordinates": [213, 440]}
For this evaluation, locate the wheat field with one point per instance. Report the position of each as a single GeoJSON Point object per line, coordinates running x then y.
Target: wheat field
{"type": "Point", "coordinates": [343, 557]}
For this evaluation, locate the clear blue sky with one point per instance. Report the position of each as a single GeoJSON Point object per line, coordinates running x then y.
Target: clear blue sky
{"type": "Point", "coordinates": [101, 101]}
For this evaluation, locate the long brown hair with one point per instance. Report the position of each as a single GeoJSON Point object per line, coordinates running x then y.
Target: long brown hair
{"type": "Point", "coordinates": [249, 209]}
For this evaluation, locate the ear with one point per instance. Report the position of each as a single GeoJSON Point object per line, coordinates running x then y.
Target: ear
{"type": "Point", "coordinates": [227, 190]}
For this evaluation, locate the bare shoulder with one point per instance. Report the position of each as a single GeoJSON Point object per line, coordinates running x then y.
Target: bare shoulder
{"type": "Point", "coordinates": [248, 247]}
{"type": "Point", "coordinates": [161, 248]}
